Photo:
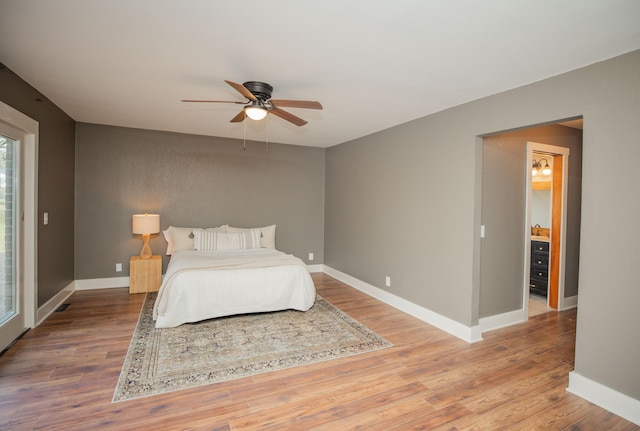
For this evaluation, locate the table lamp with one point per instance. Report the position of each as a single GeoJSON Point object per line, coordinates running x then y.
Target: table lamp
{"type": "Point", "coordinates": [145, 225]}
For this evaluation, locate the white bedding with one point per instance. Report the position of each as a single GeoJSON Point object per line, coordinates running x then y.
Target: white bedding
{"type": "Point", "coordinates": [203, 285]}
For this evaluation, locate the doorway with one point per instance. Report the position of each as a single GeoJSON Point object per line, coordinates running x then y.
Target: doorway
{"type": "Point", "coordinates": [505, 231]}
{"type": "Point", "coordinates": [546, 226]}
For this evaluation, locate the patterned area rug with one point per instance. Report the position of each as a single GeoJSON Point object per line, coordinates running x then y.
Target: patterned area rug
{"type": "Point", "coordinates": [216, 350]}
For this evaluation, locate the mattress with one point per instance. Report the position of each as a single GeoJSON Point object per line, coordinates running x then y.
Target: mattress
{"type": "Point", "coordinates": [204, 285]}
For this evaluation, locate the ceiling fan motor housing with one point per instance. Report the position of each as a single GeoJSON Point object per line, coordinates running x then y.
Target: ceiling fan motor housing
{"type": "Point", "coordinates": [261, 90]}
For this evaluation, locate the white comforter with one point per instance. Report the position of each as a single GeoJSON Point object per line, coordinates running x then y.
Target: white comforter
{"type": "Point", "coordinates": [203, 285]}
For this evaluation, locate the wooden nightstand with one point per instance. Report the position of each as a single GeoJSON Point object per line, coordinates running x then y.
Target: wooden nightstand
{"type": "Point", "coordinates": [145, 274]}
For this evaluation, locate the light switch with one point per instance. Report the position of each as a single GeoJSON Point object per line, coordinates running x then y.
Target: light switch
{"type": "Point", "coordinates": [45, 219]}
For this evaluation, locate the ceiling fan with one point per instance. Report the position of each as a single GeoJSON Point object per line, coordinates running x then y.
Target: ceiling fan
{"type": "Point", "coordinates": [260, 104]}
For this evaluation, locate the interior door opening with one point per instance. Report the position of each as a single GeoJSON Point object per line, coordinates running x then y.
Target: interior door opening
{"type": "Point", "coordinates": [504, 264]}
{"type": "Point", "coordinates": [546, 213]}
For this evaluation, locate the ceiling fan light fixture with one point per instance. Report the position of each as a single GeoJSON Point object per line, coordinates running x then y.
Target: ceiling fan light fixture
{"type": "Point", "coordinates": [259, 103]}
{"type": "Point", "coordinates": [255, 112]}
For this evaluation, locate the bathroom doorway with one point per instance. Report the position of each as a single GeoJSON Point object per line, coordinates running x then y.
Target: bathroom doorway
{"type": "Point", "coordinates": [546, 217]}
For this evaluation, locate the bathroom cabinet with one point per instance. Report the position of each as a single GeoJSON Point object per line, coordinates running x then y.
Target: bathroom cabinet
{"type": "Point", "coordinates": [539, 276]}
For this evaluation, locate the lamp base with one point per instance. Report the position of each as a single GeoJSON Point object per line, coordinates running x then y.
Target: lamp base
{"type": "Point", "coordinates": [145, 253]}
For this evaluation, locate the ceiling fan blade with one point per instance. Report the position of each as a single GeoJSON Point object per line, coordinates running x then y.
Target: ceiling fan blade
{"type": "Point", "coordinates": [212, 101]}
{"type": "Point", "coordinates": [242, 90]}
{"type": "Point", "coordinates": [308, 104]}
{"type": "Point", "coordinates": [239, 118]}
{"type": "Point", "coordinates": [287, 116]}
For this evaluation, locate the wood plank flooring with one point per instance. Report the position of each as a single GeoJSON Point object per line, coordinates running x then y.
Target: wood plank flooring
{"type": "Point", "coordinates": [61, 376]}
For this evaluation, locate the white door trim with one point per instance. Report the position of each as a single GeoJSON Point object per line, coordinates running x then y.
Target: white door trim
{"type": "Point", "coordinates": [29, 268]}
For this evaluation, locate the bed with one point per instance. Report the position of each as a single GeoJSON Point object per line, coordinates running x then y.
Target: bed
{"type": "Point", "coordinates": [224, 271]}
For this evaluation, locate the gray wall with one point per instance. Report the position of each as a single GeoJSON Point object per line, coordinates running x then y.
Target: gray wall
{"type": "Point", "coordinates": [400, 203]}
{"type": "Point", "coordinates": [191, 181]}
{"type": "Point", "coordinates": [504, 215]}
{"type": "Point", "coordinates": [406, 202]}
{"type": "Point", "coordinates": [55, 182]}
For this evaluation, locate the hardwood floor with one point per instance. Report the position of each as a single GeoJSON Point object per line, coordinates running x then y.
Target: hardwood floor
{"type": "Point", "coordinates": [61, 376]}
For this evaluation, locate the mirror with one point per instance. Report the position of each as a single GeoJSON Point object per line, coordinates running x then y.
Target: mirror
{"type": "Point", "coordinates": [541, 208]}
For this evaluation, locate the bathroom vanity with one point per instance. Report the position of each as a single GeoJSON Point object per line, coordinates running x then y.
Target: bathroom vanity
{"type": "Point", "coordinates": [539, 275]}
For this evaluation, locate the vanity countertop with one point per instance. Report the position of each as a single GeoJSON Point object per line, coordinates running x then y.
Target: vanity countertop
{"type": "Point", "coordinates": [539, 238]}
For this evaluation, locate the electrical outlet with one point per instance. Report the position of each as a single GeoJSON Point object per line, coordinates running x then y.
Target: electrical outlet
{"type": "Point", "coordinates": [387, 281]}
{"type": "Point", "coordinates": [118, 267]}
{"type": "Point", "coordinates": [310, 256]}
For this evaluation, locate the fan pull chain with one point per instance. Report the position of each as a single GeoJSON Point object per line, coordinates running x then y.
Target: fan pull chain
{"type": "Point", "coordinates": [244, 134]}
{"type": "Point", "coordinates": [267, 143]}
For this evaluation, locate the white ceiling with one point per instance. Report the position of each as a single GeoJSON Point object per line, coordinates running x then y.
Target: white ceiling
{"type": "Point", "coordinates": [372, 64]}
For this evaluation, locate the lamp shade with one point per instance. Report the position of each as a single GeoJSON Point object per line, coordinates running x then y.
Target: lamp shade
{"type": "Point", "coordinates": [145, 223]}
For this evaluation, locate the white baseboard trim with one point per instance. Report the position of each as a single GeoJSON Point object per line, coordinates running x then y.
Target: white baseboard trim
{"type": "Point", "coordinates": [316, 268]}
{"type": "Point", "coordinates": [465, 333]}
{"type": "Point", "coordinates": [609, 399]}
{"type": "Point", "coordinates": [51, 305]}
{"type": "Point", "coordinates": [518, 316]}
{"type": "Point", "coordinates": [568, 303]}
{"type": "Point", "coordinates": [502, 320]}
{"type": "Point", "coordinates": [102, 283]}
{"type": "Point", "coordinates": [113, 282]}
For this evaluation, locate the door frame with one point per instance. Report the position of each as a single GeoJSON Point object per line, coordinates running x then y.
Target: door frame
{"type": "Point", "coordinates": [560, 223]}
{"type": "Point", "coordinates": [28, 265]}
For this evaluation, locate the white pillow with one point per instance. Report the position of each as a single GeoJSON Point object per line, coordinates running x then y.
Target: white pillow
{"type": "Point", "coordinates": [268, 239]}
{"type": "Point", "coordinates": [181, 238]}
{"type": "Point", "coordinates": [212, 240]}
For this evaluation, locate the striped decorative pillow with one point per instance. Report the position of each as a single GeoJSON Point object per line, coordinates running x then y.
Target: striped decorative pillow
{"type": "Point", "coordinates": [206, 240]}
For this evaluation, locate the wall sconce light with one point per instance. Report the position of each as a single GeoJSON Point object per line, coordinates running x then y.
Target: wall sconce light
{"type": "Point", "coordinates": [537, 165]}
{"type": "Point", "coordinates": [145, 225]}
{"type": "Point", "coordinates": [256, 111]}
